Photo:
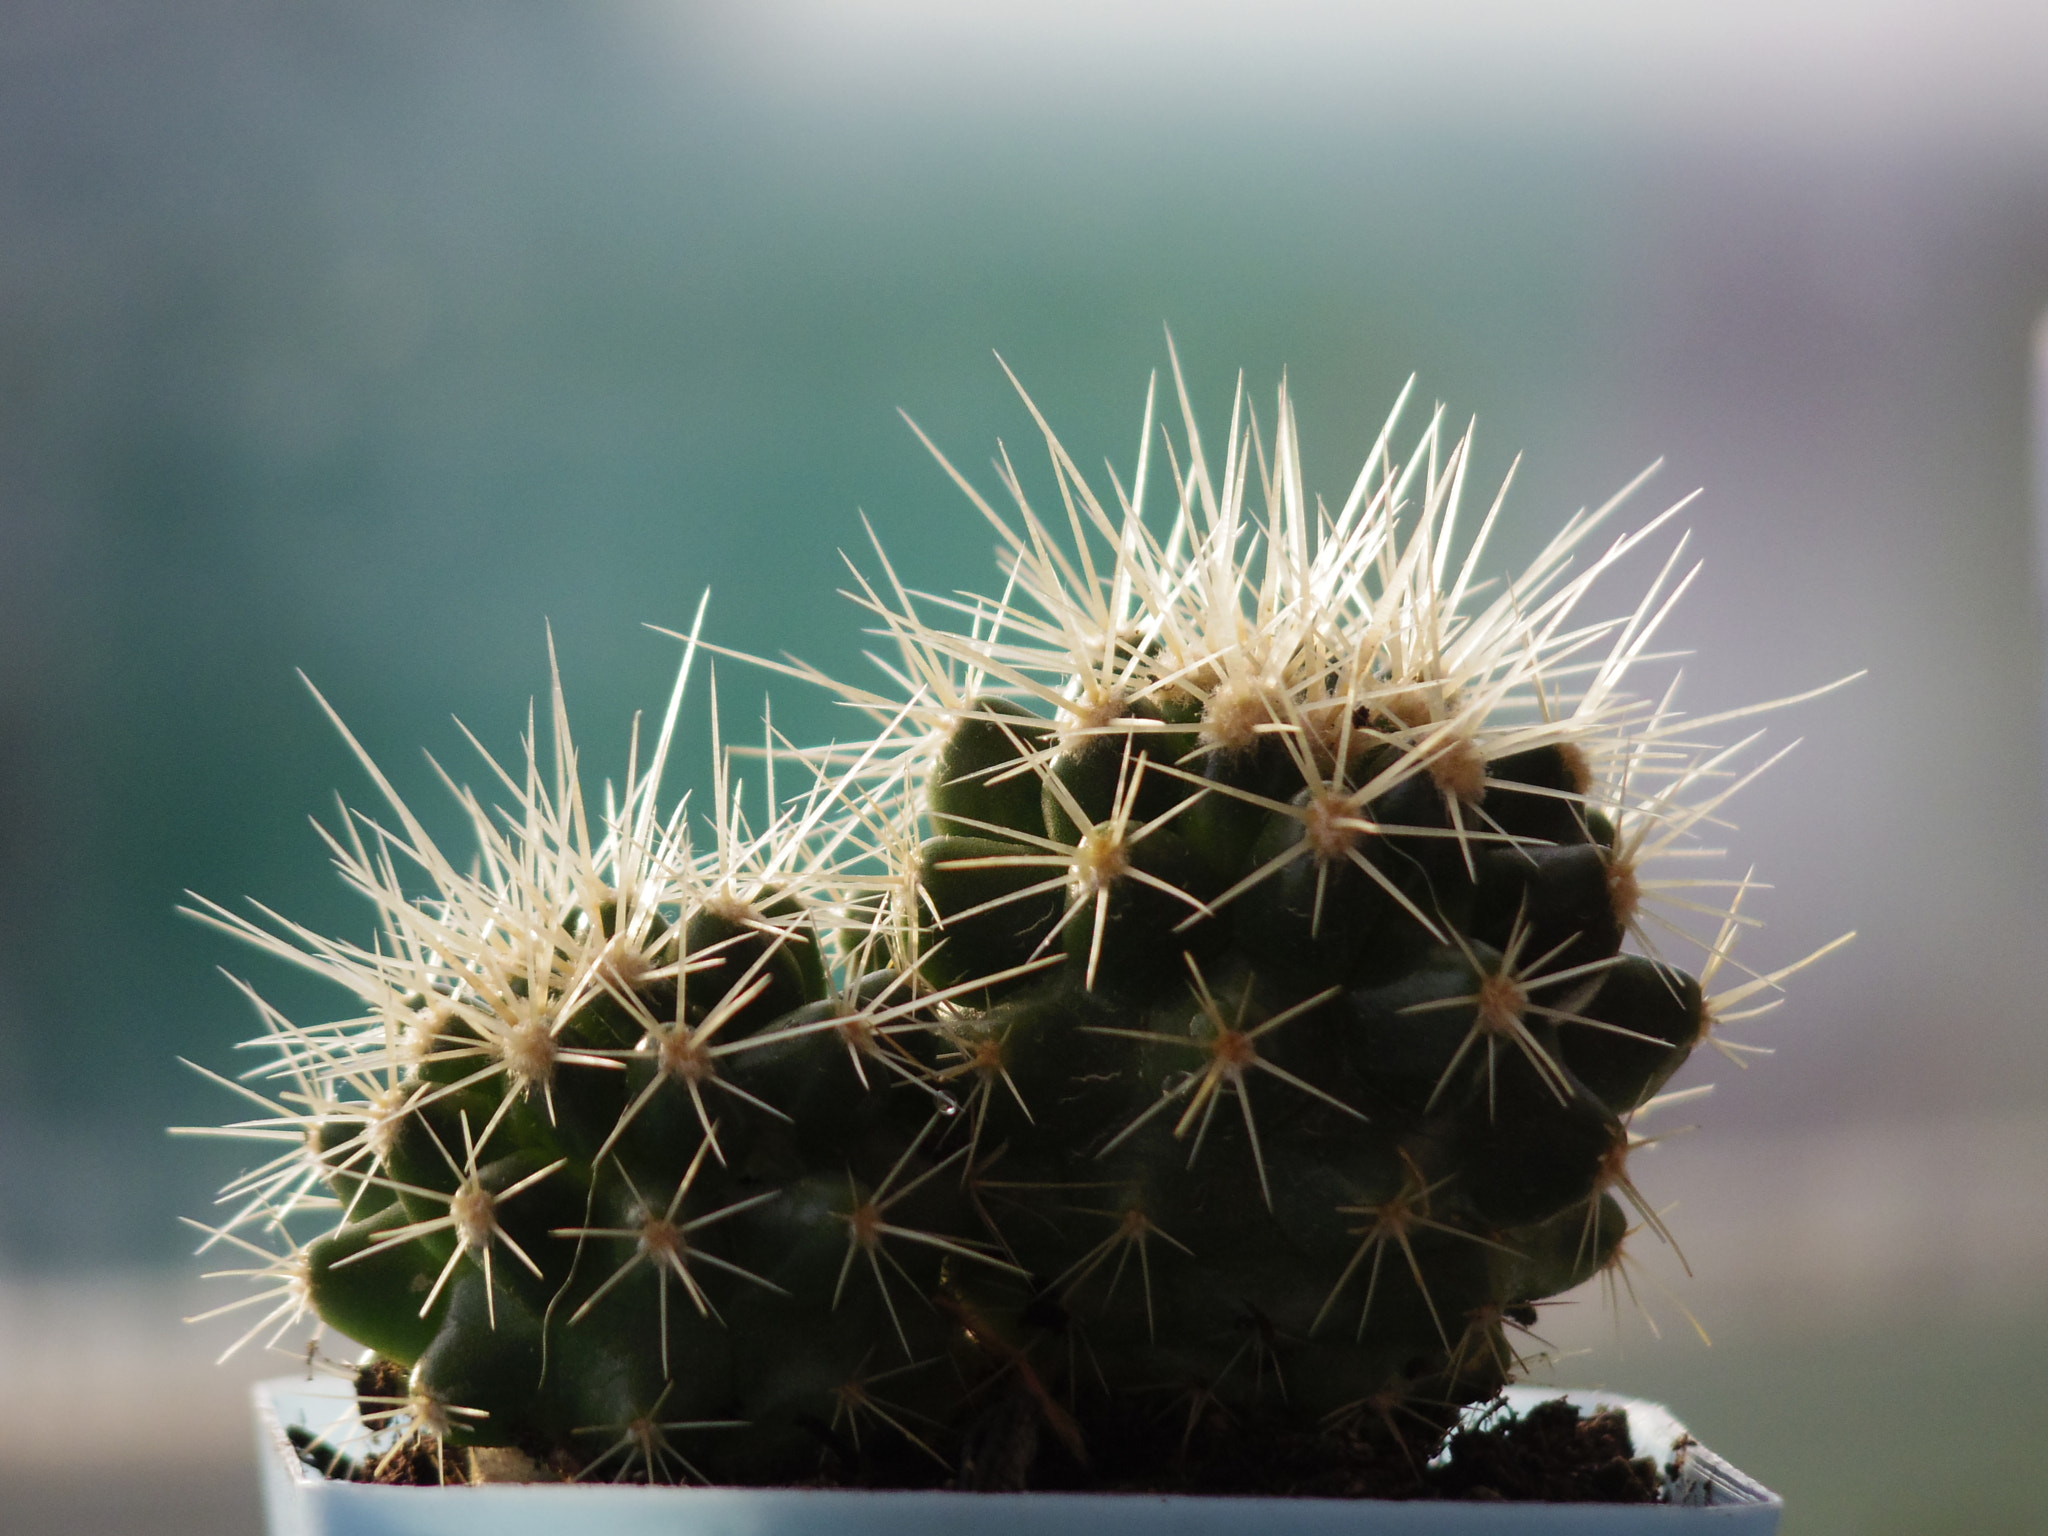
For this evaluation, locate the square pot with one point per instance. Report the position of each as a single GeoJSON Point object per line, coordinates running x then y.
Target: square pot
{"type": "Point", "coordinates": [1709, 1495]}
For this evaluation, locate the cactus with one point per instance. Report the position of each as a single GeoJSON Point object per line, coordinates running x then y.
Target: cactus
{"type": "Point", "coordinates": [1218, 993]}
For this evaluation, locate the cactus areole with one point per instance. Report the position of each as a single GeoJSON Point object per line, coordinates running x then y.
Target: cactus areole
{"type": "Point", "coordinates": [1210, 1011]}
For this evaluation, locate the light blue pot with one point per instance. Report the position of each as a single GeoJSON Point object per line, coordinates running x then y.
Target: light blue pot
{"type": "Point", "coordinates": [1710, 1494]}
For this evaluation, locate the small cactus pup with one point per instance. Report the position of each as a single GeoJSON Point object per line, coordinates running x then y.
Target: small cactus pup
{"type": "Point", "coordinates": [1180, 1048]}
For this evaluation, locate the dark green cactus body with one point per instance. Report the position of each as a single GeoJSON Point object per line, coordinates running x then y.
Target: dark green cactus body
{"type": "Point", "coordinates": [981, 784]}
{"type": "Point", "coordinates": [1291, 1137]}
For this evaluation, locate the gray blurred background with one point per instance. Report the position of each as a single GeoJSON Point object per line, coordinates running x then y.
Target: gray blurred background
{"type": "Point", "coordinates": [370, 338]}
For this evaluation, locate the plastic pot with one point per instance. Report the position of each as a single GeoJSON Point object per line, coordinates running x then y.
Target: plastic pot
{"type": "Point", "coordinates": [1707, 1495]}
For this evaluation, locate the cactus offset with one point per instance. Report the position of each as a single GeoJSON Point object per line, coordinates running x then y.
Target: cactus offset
{"type": "Point", "coordinates": [1203, 1000]}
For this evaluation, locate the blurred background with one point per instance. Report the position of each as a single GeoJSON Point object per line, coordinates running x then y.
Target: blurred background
{"type": "Point", "coordinates": [370, 339]}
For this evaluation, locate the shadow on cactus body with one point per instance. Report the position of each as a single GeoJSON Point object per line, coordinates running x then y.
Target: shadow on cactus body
{"type": "Point", "coordinates": [1204, 1000]}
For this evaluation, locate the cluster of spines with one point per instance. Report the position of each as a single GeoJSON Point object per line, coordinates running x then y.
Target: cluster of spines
{"type": "Point", "coordinates": [1204, 990]}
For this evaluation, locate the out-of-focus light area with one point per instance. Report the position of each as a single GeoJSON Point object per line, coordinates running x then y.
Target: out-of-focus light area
{"type": "Point", "coordinates": [373, 339]}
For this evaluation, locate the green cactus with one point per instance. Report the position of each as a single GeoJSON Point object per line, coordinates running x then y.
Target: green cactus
{"type": "Point", "coordinates": [1203, 1000]}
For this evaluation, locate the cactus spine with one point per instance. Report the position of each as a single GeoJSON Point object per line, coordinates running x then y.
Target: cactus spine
{"type": "Point", "coordinates": [1204, 999]}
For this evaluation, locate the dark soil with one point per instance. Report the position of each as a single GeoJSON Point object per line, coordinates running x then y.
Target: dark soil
{"type": "Point", "coordinates": [1549, 1454]}
{"type": "Point", "coordinates": [417, 1460]}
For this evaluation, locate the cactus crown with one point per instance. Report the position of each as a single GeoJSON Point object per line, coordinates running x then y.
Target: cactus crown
{"type": "Point", "coordinates": [1219, 989]}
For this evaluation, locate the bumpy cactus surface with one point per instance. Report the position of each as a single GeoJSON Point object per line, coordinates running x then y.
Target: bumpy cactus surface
{"type": "Point", "coordinates": [1218, 993]}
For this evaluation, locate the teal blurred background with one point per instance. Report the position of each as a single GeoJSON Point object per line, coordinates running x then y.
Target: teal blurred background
{"type": "Point", "coordinates": [370, 339]}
